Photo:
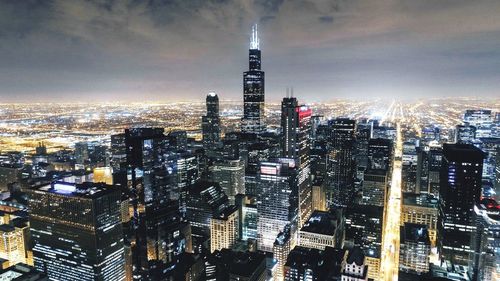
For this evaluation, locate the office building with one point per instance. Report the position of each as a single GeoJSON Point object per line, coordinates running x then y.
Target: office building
{"type": "Point", "coordinates": [460, 191]}
{"type": "Point", "coordinates": [118, 152]}
{"type": "Point", "coordinates": [465, 134]}
{"type": "Point", "coordinates": [230, 174]}
{"type": "Point", "coordinates": [318, 196]}
{"type": "Point", "coordinates": [227, 264]}
{"type": "Point", "coordinates": [277, 202]}
{"type": "Point", "coordinates": [380, 153]}
{"type": "Point", "coordinates": [374, 187]}
{"type": "Point", "coordinates": [296, 130]}
{"type": "Point", "coordinates": [481, 119]}
{"type": "Point", "coordinates": [364, 229]}
{"type": "Point", "coordinates": [12, 244]}
{"type": "Point", "coordinates": [323, 229]}
{"type": "Point", "coordinates": [415, 248]}
{"type": "Point", "coordinates": [210, 123]}
{"type": "Point", "coordinates": [224, 229]}
{"type": "Point", "coordinates": [59, 211]}
{"type": "Point", "coordinates": [247, 209]}
{"type": "Point", "coordinates": [284, 243]}
{"type": "Point", "coordinates": [22, 272]}
{"type": "Point", "coordinates": [314, 264]}
{"type": "Point", "coordinates": [421, 209]}
{"type": "Point", "coordinates": [340, 162]}
{"type": "Point", "coordinates": [484, 259]}
{"type": "Point", "coordinates": [152, 183]}
{"type": "Point", "coordinates": [253, 90]}
{"type": "Point", "coordinates": [204, 201]}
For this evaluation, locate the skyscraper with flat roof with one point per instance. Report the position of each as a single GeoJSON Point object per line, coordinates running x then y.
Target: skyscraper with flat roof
{"type": "Point", "coordinates": [460, 191]}
{"type": "Point", "coordinates": [277, 203]}
{"type": "Point", "coordinates": [77, 231]}
{"type": "Point", "coordinates": [210, 123]}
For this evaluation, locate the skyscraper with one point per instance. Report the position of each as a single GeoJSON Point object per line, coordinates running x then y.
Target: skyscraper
{"type": "Point", "coordinates": [210, 123]}
{"type": "Point", "coordinates": [340, 163]}
{"type": "Point", "coordinates": [277, 201]}
{"type": "Point", "coordinates": [415, 248]}
{"type": "Point", "coordinates": [253, 90]}
{"type": "Point", "coordinates": [460, 191]}
{"type": "Point", "coordinates": [77, 232]}
{"type": "Point", "coordinates": [158, 236]}
{"type": "Point", "coordinates": [296, 130]}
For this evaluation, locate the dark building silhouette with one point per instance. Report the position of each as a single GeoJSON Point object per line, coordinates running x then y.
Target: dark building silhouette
{"type": "Point", "coordinates": [210, 123]}
{"type": "Point", "coordinates": [460, 191]}
{"type": "Point", "coordinates": [157, 234]}
{"type": "Point", "coordinates": [340, 162]}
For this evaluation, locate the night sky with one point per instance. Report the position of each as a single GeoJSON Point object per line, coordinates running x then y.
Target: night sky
{"type": "Point", "coordinates": [84, 51]}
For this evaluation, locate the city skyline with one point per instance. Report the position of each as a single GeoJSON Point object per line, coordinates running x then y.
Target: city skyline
{"type": "Point", "coordinates": [59, 51]}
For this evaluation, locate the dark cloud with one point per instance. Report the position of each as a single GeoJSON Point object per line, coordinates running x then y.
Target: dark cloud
{"type": "Point", "coordinates": [167, 49]}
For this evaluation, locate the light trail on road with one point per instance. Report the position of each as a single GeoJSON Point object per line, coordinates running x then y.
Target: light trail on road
{"type": "Point", "coordinates": [392, 212]}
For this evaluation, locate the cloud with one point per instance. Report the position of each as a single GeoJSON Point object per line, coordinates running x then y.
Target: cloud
{"type": "Point", "coordinates": [171, 48]}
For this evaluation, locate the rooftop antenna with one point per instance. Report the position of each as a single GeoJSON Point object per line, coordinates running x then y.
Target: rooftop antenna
{"type": "Point", "coordinates": [287, 92]}
{"type": "Point", "coordinates": [254, 42]}
{"type": "Point", "coordinates": [291, 93]}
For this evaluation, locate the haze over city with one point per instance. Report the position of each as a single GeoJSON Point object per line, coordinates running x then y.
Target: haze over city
{"type": "Point", "coordinates": [179, 50]}
{"type": "Point", "coordinates": [250, 140]}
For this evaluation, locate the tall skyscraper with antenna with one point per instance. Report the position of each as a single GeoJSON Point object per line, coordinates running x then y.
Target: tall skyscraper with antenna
{"type": "Point", "coordinates": [253, 90]}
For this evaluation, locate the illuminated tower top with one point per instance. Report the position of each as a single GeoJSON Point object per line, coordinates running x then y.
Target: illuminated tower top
{"type": "Point", "coordinates": [254, 41]}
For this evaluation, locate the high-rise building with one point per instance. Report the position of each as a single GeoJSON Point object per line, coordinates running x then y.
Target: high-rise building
{"type": "Point", "coordinates": [460, 191]}
{"type": "Point", "coordinates": [284, 243]}
{"type": "Point", "coordinates": [210, 123]}
{"type": "Point", "coordinates": [77, 232]}
{"type": "Point", "coordinates": [485, 243]}
{"type": "Point", "coordinates": [227, 264]}
{"type": "Point", "coordinates": [340, 162]}
{"type": "Point", "coordinates": [253, 90]}
{"type": "Point", "coordinates": [230, 174]}
{"type": "Point", "coordinates": [421, 209]}
{"type": "Point", "coordinates": [12, 244]}
{"type": "Point", "coordinates": [118, 152]}
{"type": "Point", "coordinates": [277, 202]}
{"type": "Point", "coordinates": [429, 169]}
{"type": "Point", "coordinates": [296, 130]}
{"type": "Point", "coordinates": [22, 272]}
{"type": "Point", "coordinates": [323, 229]}
{"type": "Point", "coordinates": [224, 229]}
{"type": "Point", "coordinates": [247, 207]}
{"type": "Point", "coordinates": [204, 201]}
{"type": "Point", "coordinates": [482, 119]}
{"type": "Point", "coordinates": [314, 264]}
{"type": "Point", "coordinates": [318, 196]}
{"type": "Point", "coordinates": [465, 134]}
{"type": "Point", "coordinates": [380, 153]}
{"type": "Point", "coordinates": [374, 187]}
{"type": "Point", "coordinates": [158, 236]}
{"type": "Point", "coordinates": [415, 248]}
{"type": "Point", "coordinates": [364, 229]}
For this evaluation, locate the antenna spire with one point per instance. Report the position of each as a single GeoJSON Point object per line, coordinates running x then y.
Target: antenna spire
{"type": "Point", "coordinates": [254, 41]}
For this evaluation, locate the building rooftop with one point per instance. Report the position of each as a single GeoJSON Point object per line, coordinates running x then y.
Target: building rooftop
{"type": "Point", "coordinates": [322, 223]}
{"type": "Point", "coordinates": [21, 272]}
{"type": "Point", "coordinates": [240, 263]}
{"type": "Point", "coordinates": [421, 200]}
{"type": "Point", "coordinates": [84, 190]}
{"type": "Point", "coordinates": [416, 233]}
{"type": "Point", "coordinates": [355, 255]}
